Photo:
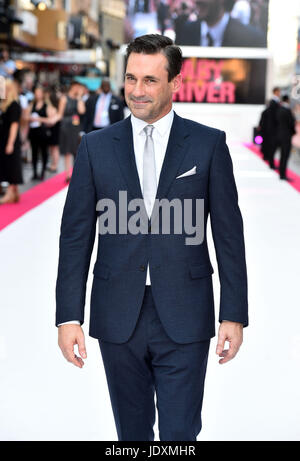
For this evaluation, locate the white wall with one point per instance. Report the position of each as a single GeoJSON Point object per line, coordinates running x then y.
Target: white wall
{"type": "Point", "coordinates": [282, 39]}
{"type": "Point", "coordinates": [237, 120]}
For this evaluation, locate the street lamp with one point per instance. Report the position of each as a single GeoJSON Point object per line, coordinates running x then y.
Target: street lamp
{"type": "Point", "coordinates": [41, 5]}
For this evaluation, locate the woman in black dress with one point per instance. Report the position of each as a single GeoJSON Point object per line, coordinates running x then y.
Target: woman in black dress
{"type": "Point", "coordinates": [52, 111]}
{"type": "Point", "coordinates": [70, 108]}
{"type": "Point", "coordinates": [37, 132]}
{"type": "Point", "coordinates": [52, 127]}
{"type": "Point", "coordinates": [10, 145]}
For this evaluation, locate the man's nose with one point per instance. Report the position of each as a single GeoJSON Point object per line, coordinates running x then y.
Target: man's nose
{"type": "Point", "coordinates": [139, 89]}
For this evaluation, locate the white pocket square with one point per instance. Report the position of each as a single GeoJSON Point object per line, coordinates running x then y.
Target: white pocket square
{"type": "Point", "coordinates": [187, 173]}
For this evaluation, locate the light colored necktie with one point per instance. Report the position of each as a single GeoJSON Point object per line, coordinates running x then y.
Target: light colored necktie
{"type": "Point", "coordinates": [149, 171]}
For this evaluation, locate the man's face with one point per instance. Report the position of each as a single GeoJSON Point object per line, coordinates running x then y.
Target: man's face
{"type": "Point", "coordinates": [148, 93]}
{"type": "Point", "coordinates": [76, 90]}
{"type": "Point", "coordinates": [209, 10]}
{"type": "Point", "coordinates": [105, 87]}
{"type": "Point", "coordinates": [277, 93]}
{"type": "Point", "coordinates": [38, 94]}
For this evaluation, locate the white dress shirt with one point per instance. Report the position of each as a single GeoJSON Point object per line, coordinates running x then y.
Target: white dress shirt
{"type": "Point", "coordinates": [160, 137]}
{"type": "Point", "coordinates": [102, 104]}
{"type": "Point", "coordinates": [217, 31]}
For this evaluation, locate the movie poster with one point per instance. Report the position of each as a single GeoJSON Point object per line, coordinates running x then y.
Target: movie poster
{"type": "Point", "coordinates": [222, 81]}
{"type": "Point", "coordinates": [217, 23]}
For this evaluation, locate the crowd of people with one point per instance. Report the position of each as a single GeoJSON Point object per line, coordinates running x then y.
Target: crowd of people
{"type": "Point", "coordinates": [277, 126]}
{"type": "Point", "coordinates": [47, 123]}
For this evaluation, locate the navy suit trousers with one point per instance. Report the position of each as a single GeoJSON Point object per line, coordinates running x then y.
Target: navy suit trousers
{"type": "Point", "coordinates": [148, 363]}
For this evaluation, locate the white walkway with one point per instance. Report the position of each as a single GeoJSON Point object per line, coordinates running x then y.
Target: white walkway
{"type": "Point", "coordinates": [254, 397]}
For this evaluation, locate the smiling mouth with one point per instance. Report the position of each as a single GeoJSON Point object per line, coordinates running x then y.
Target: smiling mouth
{"type": "Point", "coordinates": [140, 102]}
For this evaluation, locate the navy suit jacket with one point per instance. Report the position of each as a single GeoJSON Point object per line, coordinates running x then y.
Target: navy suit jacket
{"type": "Point", "coordinates": [181, 275]}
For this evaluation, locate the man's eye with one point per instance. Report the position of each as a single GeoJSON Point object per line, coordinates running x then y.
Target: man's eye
{"type": "Point", "coordinates": [150, 80]}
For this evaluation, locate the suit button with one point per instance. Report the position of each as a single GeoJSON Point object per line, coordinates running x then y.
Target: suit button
{"type": "Point", "coordinates": [142, 268]}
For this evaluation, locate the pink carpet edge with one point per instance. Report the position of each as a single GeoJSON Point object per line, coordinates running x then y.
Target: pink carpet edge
{"type": "Point", "coordinates": [31, 199]}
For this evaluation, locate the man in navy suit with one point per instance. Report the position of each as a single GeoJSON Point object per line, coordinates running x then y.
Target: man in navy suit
{"type": "Point", "coordinates": [152, 304]}
{"type": "Point", "coordinates": [103, 108]}
{"type": "Point", "coordinates": [215, 27]}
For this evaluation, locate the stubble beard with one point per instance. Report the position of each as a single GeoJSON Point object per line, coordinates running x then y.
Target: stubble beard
{"type": "Point", "coordinates": [152, 113]}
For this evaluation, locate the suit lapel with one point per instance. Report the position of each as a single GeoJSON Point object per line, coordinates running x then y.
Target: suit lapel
{"type": "Point", "coordinates": [176, 150]}
{"type": "Point", "coordinates": [175, 153]}
{"type": "Point", "coordinates": [124, 149]}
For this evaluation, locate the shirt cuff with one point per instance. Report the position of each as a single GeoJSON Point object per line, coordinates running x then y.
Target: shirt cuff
{"type": "Point", "coordinates": [71, 322]}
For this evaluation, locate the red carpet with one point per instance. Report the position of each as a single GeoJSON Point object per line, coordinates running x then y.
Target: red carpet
{"type": "Point", "coordinates": [30, 199]}
{"type": "Point", "coordinates": [295, 178]}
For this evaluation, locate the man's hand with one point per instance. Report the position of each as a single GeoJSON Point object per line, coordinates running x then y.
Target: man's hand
{"type": "Point", "coordinates": [233, 333]}
{"type": "Point", "coordinates": [68, 336]}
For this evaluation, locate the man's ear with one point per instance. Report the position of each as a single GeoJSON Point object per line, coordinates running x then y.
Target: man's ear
{"type": "Point", "coordinates": [176, 83]}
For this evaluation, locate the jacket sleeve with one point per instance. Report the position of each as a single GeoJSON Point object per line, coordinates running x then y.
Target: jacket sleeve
{"type": "Point", "coordinates": [89, 114]}
{"type": "Point", "coordinates": [76, 241]}
{"type": "Point", "coordinates": [227, 230]}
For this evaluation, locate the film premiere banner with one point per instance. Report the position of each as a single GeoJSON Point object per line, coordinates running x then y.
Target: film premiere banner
{"type": "Point", "coordinates": [223, 81]}
{"type": "Point", "coordinates": [237, 24]}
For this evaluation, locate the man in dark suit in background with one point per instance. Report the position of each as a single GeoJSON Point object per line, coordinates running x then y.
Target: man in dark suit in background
{"type": "Point", "coordinates": [286, 130]}
{"type": "Point", "coordinates": [103, 108]}
{"type": "Point", "coordinates": [215, 27]}
{"type": "Point", "coordinates": [271, 126]}
{"type": "Point", "coordinates": [268, 128]}
{"type": "Point", "coordinates": [263, 131]}
{"type": "Point", "coordinates": [154, 332]}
